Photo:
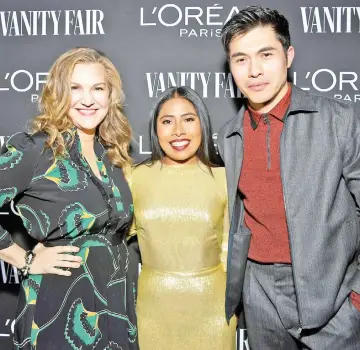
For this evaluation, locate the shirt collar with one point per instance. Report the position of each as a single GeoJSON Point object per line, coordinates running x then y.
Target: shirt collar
{"type": "Point", "coordinates": [278, 112]}
{"type": "Point", "coordinates": [99, 148]}
{"type": "Point", "coordinates": [301, 102]}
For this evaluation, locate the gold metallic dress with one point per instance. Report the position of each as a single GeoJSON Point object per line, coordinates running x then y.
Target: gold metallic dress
{"type": "Point", "coordinates": [181, 221]}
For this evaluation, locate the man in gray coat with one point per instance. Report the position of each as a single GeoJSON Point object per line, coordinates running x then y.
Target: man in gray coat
{"type": "Point", "coordinates": [293, 170]}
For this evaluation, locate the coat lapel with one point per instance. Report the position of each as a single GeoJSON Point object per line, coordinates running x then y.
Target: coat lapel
{"type": "Point", "coordinates": [233, 154]}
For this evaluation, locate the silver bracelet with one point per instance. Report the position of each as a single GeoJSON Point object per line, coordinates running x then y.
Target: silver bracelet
{"type": "Point", "coordinates": [29, 258]}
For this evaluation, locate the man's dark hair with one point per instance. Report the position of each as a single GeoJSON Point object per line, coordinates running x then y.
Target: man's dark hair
{"type": "Point", "coordinates": [254, 16]}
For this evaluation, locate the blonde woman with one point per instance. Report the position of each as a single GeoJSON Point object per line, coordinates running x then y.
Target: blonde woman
{"type": "Point", "coordinates": [74, 200]}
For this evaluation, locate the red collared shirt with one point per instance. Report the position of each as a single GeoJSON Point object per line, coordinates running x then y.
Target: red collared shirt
{"type": "Point", "coordinates": [260, 184]}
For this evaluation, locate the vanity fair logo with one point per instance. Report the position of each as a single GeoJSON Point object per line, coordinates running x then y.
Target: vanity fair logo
{"type": "Point", "coordinates": [9, 274]}
{"type": "Point", "coordinates": [55, 22]}
{"type": "Point", "coordinates": [341, 85]}
{"type": "Point", "coordinates": [190, 21]}
{"type": "Point", "coordinates": [207, 84]}
{"type": "Point", "coordinates": [242, 342]}
{"type": "Point", "coordinates": [334, 19]}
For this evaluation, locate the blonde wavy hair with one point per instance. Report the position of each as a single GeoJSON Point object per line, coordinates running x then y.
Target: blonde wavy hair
{"type": "Point", "coordinates": [114, 131]}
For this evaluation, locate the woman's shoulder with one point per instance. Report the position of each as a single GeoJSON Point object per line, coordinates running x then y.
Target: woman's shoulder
{"type": "Point", "coordinates": [23, 148]}
{"type": "Point", "coordinates": [144, 168]}
{"type": "Point", "coordinates": [138, 173]}
{"type": "Point", "coordinates": [26, 141]}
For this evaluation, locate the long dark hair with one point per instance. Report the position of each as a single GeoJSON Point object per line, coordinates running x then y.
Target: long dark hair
{"type": "Point", "coordinates": [206, 152]}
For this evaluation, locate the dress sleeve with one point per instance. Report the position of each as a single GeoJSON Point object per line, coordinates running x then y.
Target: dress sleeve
{"type": "Point", "coordinates": [226, 228]}
{"type": "Point", "coordinates": [17, 163]}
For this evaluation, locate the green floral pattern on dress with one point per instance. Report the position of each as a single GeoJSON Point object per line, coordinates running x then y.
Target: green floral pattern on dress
{"type": "Point", "coordinates": [31, 219]}
{"type": "Point", "coordinates": [6, 195]}
{"type": "Point", "coordinates": [66, 175]}
{"type": "Point", "coordinates": [75, 219]}
{"type": "Point", "coordinates": [82, 329]}
{"type": "Point", "coordinates": [11, 158]}
{"type": "Point", "coordinates": [63, 203]}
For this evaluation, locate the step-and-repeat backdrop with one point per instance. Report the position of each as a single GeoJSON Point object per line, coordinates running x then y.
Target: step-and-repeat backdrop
{"type": "Point", "coordinates": [156, 44]}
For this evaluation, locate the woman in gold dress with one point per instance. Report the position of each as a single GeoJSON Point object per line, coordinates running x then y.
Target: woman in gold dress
{"type": "Point", "coordinates": [181, 219]}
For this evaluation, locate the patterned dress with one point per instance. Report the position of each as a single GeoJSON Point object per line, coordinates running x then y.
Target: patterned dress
{"type": "Point", "coordinates": [182, 226]}
{"type": "Point", "coordinates": [62, 202]}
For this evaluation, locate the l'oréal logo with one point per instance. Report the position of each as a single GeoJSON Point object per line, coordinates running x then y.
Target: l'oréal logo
{"type": "Point", "coordinates": [191, 21]}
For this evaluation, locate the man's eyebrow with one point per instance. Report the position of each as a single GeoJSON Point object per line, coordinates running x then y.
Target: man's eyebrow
{"type": "Point", "coordinates": [263, 49]}
{"type": "Point", "coordinates": [266, 48]}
